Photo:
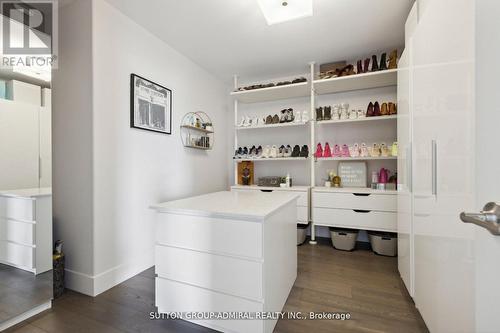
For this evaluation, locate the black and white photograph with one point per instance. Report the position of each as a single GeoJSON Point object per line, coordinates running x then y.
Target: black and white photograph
{"type": "Point", "coordinates": [150, 105]}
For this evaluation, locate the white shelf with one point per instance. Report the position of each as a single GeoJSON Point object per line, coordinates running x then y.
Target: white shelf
{"type": "Point", "coordinates": [302, 89]}
{"type": "Point", "coordinates": [297, 188]}
{"type": "Point", "coordinates": [360, 120]}
{"type": "Point", "coordinates": [356, 158]}
{"type": "Point", "coordinates": [291, 124]}
{"type": "Point", "coordinates": [378, 79]}
{"type": "Point", "coordinates": [271, 159]}
{"type": "Point", "coordinates": [199, 129]}
{"type": "Point", "coordinates": [363, 190]}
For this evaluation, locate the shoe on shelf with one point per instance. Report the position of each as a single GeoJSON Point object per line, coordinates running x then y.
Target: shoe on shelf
{"type": "Point", "coordinates": [319, 113]}
{"type": "Point", "coordinates": [375, 150]}
{"type": "Point", "coordinates": [273, 153]}
{"type": "Point", "coordinates": [376, 109]}
{"type": "Point", "coordinates": [245, 153]}
{"type": "Point", "coordinates": [327, 152]}
{"type": "Point", "coordinates": [242, 122]}
{"type": "Point", "coordinates": [394, 149]}
{"type": "Point", "coordinates": [266, 152]}
{"type": "Point", "coordinates": [319, 151]}
{"type": "Point", "coordinates": [276, 119]}
{"type": "Point", "coordinates": [384, 111]}
{"type": "Point", "coordinates": [269, 120]}
{"type": "Point", "coordinates": [304, 152]}
{"type": "Point", "coordinates": [370, 111]}
{"type": "Point", "coordinates": [364, 150]}
{"type": "Point", "coordinates": [238, 153]}
{"type": "Point", "coordinates": [288, 151]}
{"type": "Point", "coordinates": [374, 63]}
{"type": "Point", "coordinates": [345, 151]}
{"type": "Point", "coordinates": [327, 113]}
{"type": "Point", "coordinates": [281, 151]}
{"type": "Point", "coordinates": [297, 117]}
{"type": "Point", "coordinates": [383, 62]}
{"type": "Point", "coordinates": [354, 150]}
{"type": "Point", "coordinates": [290, 116]}
{"type": "Point", "coordinates": [252, 152]}
{"type": "Point", "coordinates": [393, 108]}
{"type": "Point", "coordinates": [344, 114]}
{"type": "Point", "coordinates": [296, 151]}
{"type": "Point", "coordinates": [353, 114]}
{"type": "Point", "coordinates": [361, 114]}
{"type": "Point", "coordinates": [366, 65]}
{"type": "Point", "coordinates": [393, 59]}
{"type": "Point", "coordinates": [256, 121]}
{"type": "Point", "coordinates": [336, 152]}
{"type": "Point", "coordinates": [259, 152]}
{"type": "Point", "coordinates": [384, 151]}
{"type": "Point", "coordinates": [283, 117]}
{"type": "Point", "coordinates": [305, 116]}
{"type": "Point", "coordinates": [359, 67]}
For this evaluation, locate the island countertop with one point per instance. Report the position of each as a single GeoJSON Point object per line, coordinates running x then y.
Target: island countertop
{"type": "Point", "coordinates": [254, 206]}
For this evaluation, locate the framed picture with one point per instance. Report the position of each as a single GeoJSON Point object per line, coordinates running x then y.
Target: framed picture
{"type": "Point", "coordinates": [150, 105]}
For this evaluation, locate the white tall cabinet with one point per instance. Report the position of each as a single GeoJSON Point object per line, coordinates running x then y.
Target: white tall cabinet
{"type": "Point", "coordinates": [436, 136]}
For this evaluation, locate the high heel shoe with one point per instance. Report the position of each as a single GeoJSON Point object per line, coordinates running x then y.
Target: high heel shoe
{"type": "Point", "coordinates": [383, 62]}
{"type": "Point", "coordinates": [359, 67]}
{"type": "Point", "coordinates": [393, 108]}
{"type": "Point", "coordinates": [393, 59]}
{"type": "Point", "coordinates": [366, 65]}
{"type": "Point", "coordinates": [327, 113]}
{"type": "Point", "coordinates": [374, 63]}
{"type": "Point", "coordinates": [327, 152]}
{"type": "Point", "coordinates": [384, 111]}
{"type": "Point", "coordinates": [319, 113]}
{"type": "Point", "coordinates": [370, 110]}
{"type": "Point", "coordinates": [345, 151]}
{"type": "Point", "coordinates": [376, 109]}
{"type": "Point", "coordinates": [336, 151]}
{"type": "Point", "coordinates": [319, 151]}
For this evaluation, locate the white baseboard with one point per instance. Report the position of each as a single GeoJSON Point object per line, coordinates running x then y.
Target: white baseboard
{"type": "Point", "coordinates": [93, 285]}
{"type": "Point", "coordinates": [26, 315]}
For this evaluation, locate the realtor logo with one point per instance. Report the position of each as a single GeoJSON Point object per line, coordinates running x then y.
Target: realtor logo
{"type": "Point", "coordinates": [29, 32]}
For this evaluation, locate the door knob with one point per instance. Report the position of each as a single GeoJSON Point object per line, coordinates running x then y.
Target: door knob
{"type": "Point", "coordinates": [488, 218]}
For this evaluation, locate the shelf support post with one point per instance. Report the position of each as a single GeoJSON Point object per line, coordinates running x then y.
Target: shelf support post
{"type": "Point", "coordinates": [312, 137]}
{"type": "Point", "coordinates": [235, 165]}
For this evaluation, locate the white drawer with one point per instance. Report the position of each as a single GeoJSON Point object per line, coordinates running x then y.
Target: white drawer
{"type": "Point", "coordinates": [379, 202]}
{"type": "Point", "coordinates": [15, 231]}
{"type": "Point", "coordinates": [224, 236]}
{"type": "Point", "coordinates": [302, 215]}
{"type": "Point", "coordinates": [224, 274]}
{"type": "Point", "coordinates": [171, 296]}
{"type": "Point", "coordinates": [18, 255]}
{"type": "Point", "coordinates": [366, 220]}
{"type": "Point", "coordinates": [302, 200]}
{"type": "Point", "coordinates": [17, 208]}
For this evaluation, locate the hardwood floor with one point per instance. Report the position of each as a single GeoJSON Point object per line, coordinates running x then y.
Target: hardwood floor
{"type": "Point", "coordinates": [361, 283]}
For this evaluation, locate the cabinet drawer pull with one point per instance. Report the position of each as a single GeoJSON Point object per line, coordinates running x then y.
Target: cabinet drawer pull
{"type": "Point", "coordinates": [267, 191]}
{"type": "Point", "coordinates": [361, 194]}
{"type": "Point", "coordinates": [361, 211]}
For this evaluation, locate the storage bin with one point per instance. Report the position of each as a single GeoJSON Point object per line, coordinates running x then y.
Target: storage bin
{"type": "Point", "coordinates": [384, 243]}
{"type": "Point", "coordinates": [301, 233]}
{"type": "Point", "coordinates": [344, 239]}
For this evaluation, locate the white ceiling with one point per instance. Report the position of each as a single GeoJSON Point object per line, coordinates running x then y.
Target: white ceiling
{"type": "Point", "coordinates": [229, 37]}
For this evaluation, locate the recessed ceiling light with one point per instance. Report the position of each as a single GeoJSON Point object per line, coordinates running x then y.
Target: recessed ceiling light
{"type": "Point", "coordinates": [277, 11]}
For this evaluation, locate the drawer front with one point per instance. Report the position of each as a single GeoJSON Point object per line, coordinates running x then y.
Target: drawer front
{"type": "Point", "coordinates": [224, 274]}
{"type": "Point", "coordinates": [366, 220]}
{"type": "Point", "coordinates": [302, 200]}
{"type": "Point", "coordinates": [378, 202]}
{"type": "Point", "coordinates": [17, 208]}
{"type": "Point", "coordinates": [171, 296]}
{"type": "Point", "coordinates": [302, 215]}
{"type": "Point", "coordinates": [233, 237]}
{"type": "Point", "coordinates": [18, 255]}
{"type": "Point", "coordinates": [15, 231]}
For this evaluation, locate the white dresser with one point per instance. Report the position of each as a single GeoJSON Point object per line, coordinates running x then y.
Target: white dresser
{"type": "Point", "coordinates": [355, 208]}
{"type": "Point", "coordinates": [226, 252]}
{"type": "Point", "coordinates": [26, 229]}
{"type": "Point", "coordinates": [303, 201]}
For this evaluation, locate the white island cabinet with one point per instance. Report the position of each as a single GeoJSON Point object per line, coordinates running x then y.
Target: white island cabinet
{"type": "Point", "coordinates": [225, 253]}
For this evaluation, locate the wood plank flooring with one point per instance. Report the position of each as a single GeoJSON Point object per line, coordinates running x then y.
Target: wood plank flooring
{"type": "Point", "coordinates": [361, 283]}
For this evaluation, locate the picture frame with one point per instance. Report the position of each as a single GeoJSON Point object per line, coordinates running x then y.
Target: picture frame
{"type": "Point", "coordinates": [150, 105]}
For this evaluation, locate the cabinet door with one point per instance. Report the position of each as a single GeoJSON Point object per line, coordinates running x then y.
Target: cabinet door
{"type": "Point", "coordinates": [443, 111]}
{"type": "Point", "coordinates": [19, 145]}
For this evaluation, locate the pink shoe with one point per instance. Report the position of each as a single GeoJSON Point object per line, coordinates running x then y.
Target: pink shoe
{"type": "Point", "coordinates": [319, 151]}
{"type": "Point", "coordinates": [345, 151]}
{"type": "Point", "coordinates": [336, 151]}
{"type": "Point", "coordinates": [327, 152]}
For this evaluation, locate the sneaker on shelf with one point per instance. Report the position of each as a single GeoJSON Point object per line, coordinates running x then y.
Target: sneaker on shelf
{"type": "Point", "coordinates": [353, 114]}
{"type": "Point", "coordinates": [259, 152]}
{"type": "Point", "coordinates": [345, 151]}
{"type": "Point", "coordinates": [394, 149]}
{"type": "Point", "coordinates": [375, 150]}
{"type": "Point", "coordinates": [319, 113]}
{"type": "Point", "coordinates": [354, 150]}
{"type": "Point", "coordinates": [384, 151]}
{"type": "Point", "coordinates": [288, 151]}
{"type": "Point", "coordinates": [327, 113]}
{"type": "Point", "coordinates": [245, 153]}
{"type": "Point", "coordinates": [266, 152]}
{"type": "Point", "coordinates": [281, 151]}
{"type": "Point", "coordinates": [336, 151]}
{"type": "Point", "coordinates": [290, 117]}
{"type": "Point", "coordinates": [305, 116]}
{"type": "Point", "coordinates": [274, 152]}
{"type": "Point", "coordinates": [238, 152]}
{"type": "Point", "coordinates": [344, 114]}
{"type": "Point", "coordinates": [319, 151]}
{"type": "Point", "coordinates": [327, 152]}
{"type": "Point", "coordinates": [297, 117]}
{"type": "Point", "coordinates": [252, 152]}
{"type": "Point", "coordinates": [269, 120]}
{"type": "Point", "coordinates": [304, 152]}
{"type": "Point", "coordinates": [336, 112]}
{"type": "Point", "coordinates": [283, 117]}
{"type": "Point", "coordinates": [296, 151]}
{"type": "Point", "coordinates": [361, 114]}
{"type": "Point", "coordinates": [242, 122]}
{"type": "Point", "coordinates": [364, 150]}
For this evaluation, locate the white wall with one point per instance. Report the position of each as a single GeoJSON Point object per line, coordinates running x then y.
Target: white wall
{"type": "Point", "coordinates": [72, 143]}
{"type": "Point", "coordinates": [133, 168]}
